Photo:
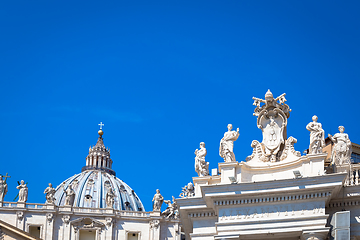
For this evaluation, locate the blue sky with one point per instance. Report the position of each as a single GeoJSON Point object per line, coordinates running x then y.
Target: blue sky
{"type": "Point", "coordinates": [164, 76]}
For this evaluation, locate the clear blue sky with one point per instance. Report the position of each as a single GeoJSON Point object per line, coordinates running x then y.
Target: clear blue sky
{"type": "Point", "coordinates": [164, 76]}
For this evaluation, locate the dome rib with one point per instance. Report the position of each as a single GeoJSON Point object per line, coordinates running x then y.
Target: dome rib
{"type": "Point", "coordinates": [94, 183]}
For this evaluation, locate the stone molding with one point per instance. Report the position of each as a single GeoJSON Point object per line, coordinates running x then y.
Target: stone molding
{"type": "Point", "coordinates": [272, 199]}
{"type": "Point", "coordinates": [202, 214]}
{"type": "Point", "coordinates": [342, 204]}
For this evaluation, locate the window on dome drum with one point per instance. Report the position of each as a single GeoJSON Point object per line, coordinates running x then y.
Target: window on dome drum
{"type": "Point", "coordinates": [87, 235]}
{"type": "Point", "coordinates": [355, 157]}
{"type": "Point", "coordinates": [132, 236]}
{"type": "Point", "coordinates": [35, 231]}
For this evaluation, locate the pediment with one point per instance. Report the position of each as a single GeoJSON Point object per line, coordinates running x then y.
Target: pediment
{"type": "Point", "coordinates": [87, 222]}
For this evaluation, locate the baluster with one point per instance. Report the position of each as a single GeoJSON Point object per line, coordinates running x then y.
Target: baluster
{"type": "Point", "coordinates": [357, 177]}
{"type": "Point", "coordinates": [352, 177]}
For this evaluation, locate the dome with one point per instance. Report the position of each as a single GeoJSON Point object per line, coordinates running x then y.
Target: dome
{"type": "Point", "coordinates": [95, 180]}
{"type": "Point", "coordinates": [91, 187]}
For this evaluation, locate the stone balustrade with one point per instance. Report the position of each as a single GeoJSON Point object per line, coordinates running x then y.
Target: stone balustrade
{"type": "Point", "coordinates": [38, 206]}
{"type": "Point", "coordinates": [353, 177]}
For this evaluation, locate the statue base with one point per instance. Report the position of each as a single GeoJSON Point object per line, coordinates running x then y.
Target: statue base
{"type": "Point", "coordinates": [50, 206]}
{"type": "Point", "coordinates": [155, 213]}
{"type": "Point", "coordinates": [65, 209]}
{"type": "Point", "coordinates": [109, 210]}
{"type": "Point", "coordinates": [21, 204]}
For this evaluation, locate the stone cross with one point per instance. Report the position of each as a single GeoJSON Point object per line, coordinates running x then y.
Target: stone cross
{"type": "Point", "coordinates": [6, 176]}
{"type": "Point", "coordinates": [101, 125]}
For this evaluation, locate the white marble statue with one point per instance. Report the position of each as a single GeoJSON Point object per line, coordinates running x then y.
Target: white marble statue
{"type": "Point", "coordinates": [201, 166]}
{"type": "Point", "coordinates": [110, 198]}
{"type": "Point", "coordinates": [226, 149]}
{"type": "Point", "coordinates": [70, 196]}
{"type": "Point", "coordinates": [50, 192]}
{"type": "Point", "coordinates": [157, 201]}
{"type": "Point", "coordinates": [272, 121]}
{"type": "Point", "coordinates": [188, 190]}
{"type": "Point", "coordinates": [3, 188]}
{"type": "Point", "coordinates": [23, 191]}
{"type": "Point", "coordinates": [171, 212]}
{"type": "Point", "coordinates": [317, 136]}
{"type": "Point", "coordinates": [341, 152]}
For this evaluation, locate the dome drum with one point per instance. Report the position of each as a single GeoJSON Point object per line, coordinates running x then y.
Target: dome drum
{"type": "Point", "coordinates": [108, 170]}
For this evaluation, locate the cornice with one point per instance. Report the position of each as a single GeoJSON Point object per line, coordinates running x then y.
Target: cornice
{"type": "Point", "coordinates": [281, 198]}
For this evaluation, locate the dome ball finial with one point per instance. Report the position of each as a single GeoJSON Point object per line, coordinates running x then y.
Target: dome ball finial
{"type": "Point", "coordinates": [100, 132]}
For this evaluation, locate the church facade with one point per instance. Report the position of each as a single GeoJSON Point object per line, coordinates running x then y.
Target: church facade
{"type": "Point", "coordinates": [277, 193]}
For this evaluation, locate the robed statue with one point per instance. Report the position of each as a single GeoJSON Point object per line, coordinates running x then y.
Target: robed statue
{"type": "Point", "coordinates": [201, 166]}
{"type": "Point", "coordinates": [3, 188]}
{"type": "Point", "coordinates": [158, 200]}
{"type": "Point", "coordinates": [23, 191]}
{"type": "Point", "coordinates": [341, 152]}
{"type": "Point", "coordinates": [70, 196]}
{"type": "Point", "coordinates": [226, 149]}
{"type": "Point", "coordinates": [110, 198]}
{"type": "Point", "coordinates": [50, 194]}
{"type": "Point", "coordinates": [317, 136]}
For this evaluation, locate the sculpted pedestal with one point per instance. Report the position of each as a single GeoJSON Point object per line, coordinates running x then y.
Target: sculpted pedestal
{"type": "Point", "coordinates": [200, 181]}
{"type": "Point", "coordinates": [21, 205]}
{"type": "Point", "coordinates": [229, 171]}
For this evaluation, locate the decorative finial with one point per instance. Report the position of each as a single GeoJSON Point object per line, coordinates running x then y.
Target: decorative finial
{"type": "Point", "coordinates": [100, 132]}
{"type": "Point", "coordinates": [268, 94]}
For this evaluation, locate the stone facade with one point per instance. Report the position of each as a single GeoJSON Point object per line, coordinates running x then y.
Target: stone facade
{"type": "Point", "coordinates": [275, 193]}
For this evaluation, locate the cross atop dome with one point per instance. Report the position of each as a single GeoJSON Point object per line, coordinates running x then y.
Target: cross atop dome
{"type": "Point", "coordinates": [100, 132]}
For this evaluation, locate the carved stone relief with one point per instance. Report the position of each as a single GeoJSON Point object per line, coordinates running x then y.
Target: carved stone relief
{"type": "Point", "coordinates": [20, 215]}
{"type": "Point", "coordinates": [109, 221]}
{"type": "Point", "coordinates": [66, 219]}
{"type": "Point", "coordinates": [272, 121]}
{"type": "Point", "coordinates": [272, 211]}
{"type": "Point", "coordinates": [154, 224]}
{"type": "Point", "coordinates": [188, 191]}
{"type": "Point", "coordinates": [49, 217]}
{"type": "Point", "coordinates": [172, 211]}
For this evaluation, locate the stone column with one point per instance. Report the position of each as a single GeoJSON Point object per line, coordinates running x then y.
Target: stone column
{"type": "Point", "coordinates": [20, 220]}
{"type": "Point", "coordinates": [49, 226]}
{"type": "Point", "coordinates": [109, 230]}
{"type": "Point", "coordinates": [66, 227]}
{"type": "Point", "coordinates": [176, 231]}
{"type": "Point", "coordinates": [154, 230]}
